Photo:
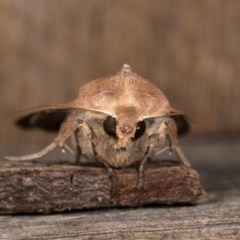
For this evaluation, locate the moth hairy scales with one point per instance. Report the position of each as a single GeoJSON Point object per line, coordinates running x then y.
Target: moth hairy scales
{"type": "Point", "coordinates": [120, 120]}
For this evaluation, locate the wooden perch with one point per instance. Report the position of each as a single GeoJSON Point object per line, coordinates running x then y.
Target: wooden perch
{"type": "Point", "coordinates": [33, 187]}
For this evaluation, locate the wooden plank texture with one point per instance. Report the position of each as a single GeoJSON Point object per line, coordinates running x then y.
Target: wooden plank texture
{"type": "Point", "coordinates": [217, 161]}
{"type": "Point", "coordinates": [57, 188]}
{"type": "Point", "coordinates": [219, 219]}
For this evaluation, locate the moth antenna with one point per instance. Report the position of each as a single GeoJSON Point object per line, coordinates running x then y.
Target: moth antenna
{"type": "Point", "coordinates": [162, 150]}
{"type": "Point", "coordinates": [63, 150]}
{"type": "Point", "coordinates": [68, 148]}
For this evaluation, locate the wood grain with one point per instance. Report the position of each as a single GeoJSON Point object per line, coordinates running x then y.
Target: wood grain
{"type": "Point", "coordinates": [212, 221]}
{"type": "Point", "coordinates": [57, 188]}
{"type": "Point", "coordinates": [217, 161]}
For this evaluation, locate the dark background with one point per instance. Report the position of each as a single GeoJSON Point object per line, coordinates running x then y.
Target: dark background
{"type": "Point", "coordinates": [190, 49]}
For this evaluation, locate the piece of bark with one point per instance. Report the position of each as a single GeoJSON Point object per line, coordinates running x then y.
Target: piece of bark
{"type": "Point", "coordinates": [31, 187]}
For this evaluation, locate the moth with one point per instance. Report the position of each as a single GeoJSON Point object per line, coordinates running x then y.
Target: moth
{"type": "Point", "coordinates": [121, 121]}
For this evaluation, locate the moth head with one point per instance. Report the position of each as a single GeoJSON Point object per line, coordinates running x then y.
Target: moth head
{"type": "Point", "coordinates": [124, 129]}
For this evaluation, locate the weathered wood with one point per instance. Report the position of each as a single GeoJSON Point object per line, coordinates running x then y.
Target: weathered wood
{"type": "Point", "coordinates": [56, 188]}
{"type": "Point", "coordinates": [214, 221]}
{"type": "Point", "coordinates": [217, 161]}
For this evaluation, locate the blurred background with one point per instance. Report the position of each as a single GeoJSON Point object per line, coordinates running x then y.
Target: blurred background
{"type": "Point", "coordinates": [189, 49]}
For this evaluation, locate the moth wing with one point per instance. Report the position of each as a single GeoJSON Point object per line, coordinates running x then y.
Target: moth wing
{"type": "Point", "coordinates": [183, 126]}
{"type": "Point", "coordinates": [50, 117]}
{"type": "Point", "coordinates": [45, 118]}
{"type": "Point", "coordinates": [181, 119]}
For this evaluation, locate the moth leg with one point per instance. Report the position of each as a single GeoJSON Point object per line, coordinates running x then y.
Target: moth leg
{"type": "Point", "coordinates": [78, 150]}
{"type": "Point", "coordinates": [83, 137]}
{"type": "Point", "coordinates": [112, 173]}
{"type": "Point", "coordinates": [174, 145]}
{"type": "Point", "coordinates": [28, 157]}
{"type": "Point", "coordinates": [67, 128]}
{"type": "Point", "coordinates": [113, 180]}
{"type": "Point", "coordinates": [141, 170]}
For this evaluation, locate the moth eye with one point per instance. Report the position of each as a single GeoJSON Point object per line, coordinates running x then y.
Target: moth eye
{"type": "Point", "coordinates": [109, 126]}
{"type": "Point", "coordinates": [140, 130]}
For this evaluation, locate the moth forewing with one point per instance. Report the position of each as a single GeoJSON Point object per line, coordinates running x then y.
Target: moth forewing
{"type": "Point", "coordinates": [50, 117]}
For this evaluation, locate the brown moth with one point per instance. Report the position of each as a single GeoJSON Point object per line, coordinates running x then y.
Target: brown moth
{"type": "Point", "coordinates": [121, 120]}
